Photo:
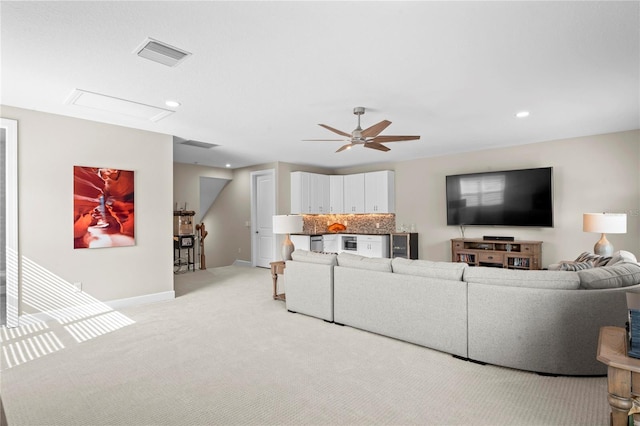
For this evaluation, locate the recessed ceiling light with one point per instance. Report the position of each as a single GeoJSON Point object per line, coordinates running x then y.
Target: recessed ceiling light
{"type": "Point", "coordinates": [227, 165]}
{"type": "Point", "coordinates": [172, 104]}
{"type": "Point", "coordinates": [522, 114]}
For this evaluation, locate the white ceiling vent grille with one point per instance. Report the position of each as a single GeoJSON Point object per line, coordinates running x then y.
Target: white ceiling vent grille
{"type": "Point", "coordinates": [162, 53]}
{"type": "Point", "coordinates": [110, 104]}
{"type": "Point", "coordinates": [198, 144]}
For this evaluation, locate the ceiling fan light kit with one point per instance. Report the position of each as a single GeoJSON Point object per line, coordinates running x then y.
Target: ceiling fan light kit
{"type": "Point", "coordinates": [369, 137]}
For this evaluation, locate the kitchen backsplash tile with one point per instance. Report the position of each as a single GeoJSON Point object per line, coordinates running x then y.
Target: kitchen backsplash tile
{"type": "Point", "coordinates": [355, 223]}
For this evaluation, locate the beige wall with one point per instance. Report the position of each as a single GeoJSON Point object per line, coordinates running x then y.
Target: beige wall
{"type": "Point", "coordinates": [591, 174]}
{"type": "Point", "coordinates": [49, 147]}
{"type": "Point", "coordinates": [186, 184]}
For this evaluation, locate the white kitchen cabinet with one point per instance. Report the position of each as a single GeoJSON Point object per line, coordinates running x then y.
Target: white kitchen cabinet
{"type": "Point", "coordinates": [313, 193]}
{"type": "Point", "coordinates": [301, 242]}
{"type": "Point", "coordinates": [331, 243]}
{"type": "Point", "coordinates": [336, 194]}
{"type": "Point", "coordinates": [299, 180]}
{"type": "Point", "coordinates": [379, 192]}
{"type": "Point", "coordinates": [373, 245]}
{"type": "Point", "coordinates": [319, 187]}
{"type": "Point", "coordinates": [309, 193]}
{"type": "Point", "coordinates": [354, 193]}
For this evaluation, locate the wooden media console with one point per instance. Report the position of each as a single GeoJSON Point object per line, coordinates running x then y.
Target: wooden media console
{"type": "Point", "coordinates": [500, 254]}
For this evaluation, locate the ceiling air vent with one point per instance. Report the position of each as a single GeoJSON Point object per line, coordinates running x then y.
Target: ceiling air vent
{"type": "Point", "coordinates": [110, 104]}
{"type": "Point", "coordinates": [162, 53]}
{"type": "Point", "coordinates": [197, 144]}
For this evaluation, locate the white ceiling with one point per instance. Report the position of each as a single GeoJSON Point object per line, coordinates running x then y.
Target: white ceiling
{"type": "Point", "coordinates": [264, 74]}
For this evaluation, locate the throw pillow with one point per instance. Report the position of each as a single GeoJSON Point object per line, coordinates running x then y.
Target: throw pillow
{"type": "Point", "coordinates": [622, 256]}
{"type": "Point", "coordinates": [575, 266]}
{"type": "Point", "coordinates": [595, 258]}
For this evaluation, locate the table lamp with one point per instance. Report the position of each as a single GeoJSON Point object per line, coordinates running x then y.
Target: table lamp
{"type": "Point", "coordinates": [604, 223]}
{"type": "Point", "coordinates": [287, 224]}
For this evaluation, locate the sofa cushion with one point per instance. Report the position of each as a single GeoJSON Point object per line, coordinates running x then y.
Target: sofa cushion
{"type": "Point", "coordinates": [314, 257]}
{"type": "Point", "coordinates": [362, 262]}
{"type": "Point", "coordinates": [622, 256]}
{"type": "Point", "coordinates": [565, 280]}
{"type": "Point", "coordinates": [429, 269]}
{"type": "Point", "coordinates": [622, 274]}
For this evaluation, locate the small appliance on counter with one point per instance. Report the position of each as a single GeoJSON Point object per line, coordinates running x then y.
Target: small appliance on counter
{"type": "Point", "coordinates": [350, 243]}
{"type": "Point", "coordinates": [183, 222]}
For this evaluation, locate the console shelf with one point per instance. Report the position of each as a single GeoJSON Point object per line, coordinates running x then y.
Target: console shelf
{"type": "Point", "coordinates": [500, 254]}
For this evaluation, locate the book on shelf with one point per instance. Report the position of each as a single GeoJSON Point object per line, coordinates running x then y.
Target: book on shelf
{"type": "Point", "coordinates": [469, 258]}
{"type": "Point", "coordinates": [521, 262]}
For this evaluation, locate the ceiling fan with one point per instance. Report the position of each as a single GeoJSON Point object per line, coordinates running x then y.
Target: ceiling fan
{"type": "Point", "coordinates": [367, 137]}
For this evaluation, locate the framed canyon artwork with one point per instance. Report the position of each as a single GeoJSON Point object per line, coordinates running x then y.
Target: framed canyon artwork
{"type": "Point", "coordinates": [103, 207]}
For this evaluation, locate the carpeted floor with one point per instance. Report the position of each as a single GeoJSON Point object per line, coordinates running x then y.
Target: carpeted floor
{"type": "Point", "coordinates": [223, 352]}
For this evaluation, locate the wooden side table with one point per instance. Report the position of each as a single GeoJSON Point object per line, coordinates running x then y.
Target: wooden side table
{"type": "Point", "coordinates": [623, 375]}
{"type": "Point", "coordinates": [277, 267]}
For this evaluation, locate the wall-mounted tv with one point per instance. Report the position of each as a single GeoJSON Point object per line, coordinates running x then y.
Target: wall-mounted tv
{"type": "Point", "coordinates": [505, 198]}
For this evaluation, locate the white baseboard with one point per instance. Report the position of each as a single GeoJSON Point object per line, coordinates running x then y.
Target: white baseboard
{"type": "Point", "coordinates": [141, 300]}
{"type": "Point", "coordinates": [239, 262]}
{"type": "Point", "coordinates": [94, 308]}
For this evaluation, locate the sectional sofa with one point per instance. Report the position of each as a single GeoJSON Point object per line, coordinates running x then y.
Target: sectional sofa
{"type": "Point", "coordinates": [541, 321]}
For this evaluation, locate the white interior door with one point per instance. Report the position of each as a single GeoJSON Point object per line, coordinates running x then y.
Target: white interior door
{"type": "Point", "coordinates": [263, 207]}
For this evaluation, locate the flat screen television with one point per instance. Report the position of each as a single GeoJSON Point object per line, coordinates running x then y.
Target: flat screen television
{"type": "Point", "coordinates": [505, 198]}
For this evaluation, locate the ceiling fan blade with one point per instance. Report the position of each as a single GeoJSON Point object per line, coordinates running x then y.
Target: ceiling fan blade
{"type": "Point", "coordinates": [375, 129]}
{"type": "Point", "coordinates": [340, 132]}
{"type": "Point", "coordinates": [384, 139]}
{"type": "Point", "coordinates": [322, 140]}
{"type": "Point", "coordinates": [376, 145]}
{"type": "Point", "coordinates": [343, 147]}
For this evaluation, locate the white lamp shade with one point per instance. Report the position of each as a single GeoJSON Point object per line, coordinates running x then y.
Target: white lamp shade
{"type": "Point", "coordinates": [605, 223]}
{"type": "Point", "coordinates": [287, 224]}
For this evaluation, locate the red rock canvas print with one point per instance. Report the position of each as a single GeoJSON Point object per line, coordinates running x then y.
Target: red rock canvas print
{"type": "Point", "coordinates": [103, 207]}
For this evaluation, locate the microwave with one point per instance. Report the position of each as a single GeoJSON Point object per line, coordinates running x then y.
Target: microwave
{"type": "Point", "coordinates": [350, 243]}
